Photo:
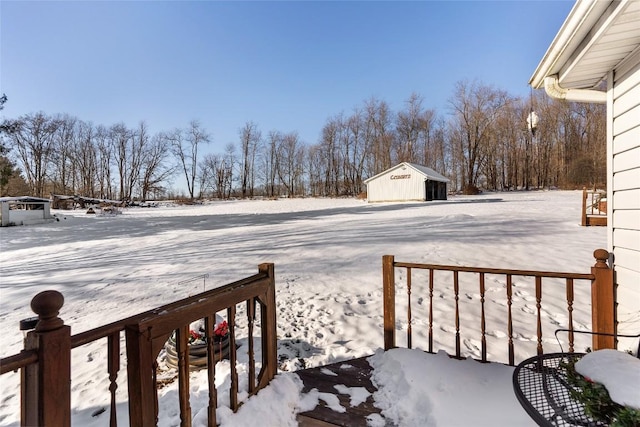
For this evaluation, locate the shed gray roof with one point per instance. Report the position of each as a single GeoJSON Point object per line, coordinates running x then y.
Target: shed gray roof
{"type": "Point", "coordinates": [428, 173]}
{"type": "Point", "coordinates": [23, 199]}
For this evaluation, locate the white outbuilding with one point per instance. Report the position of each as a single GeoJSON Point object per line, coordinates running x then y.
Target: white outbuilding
{"type": "Point", "coordinates": [24, 210]}
{"type": "Point", "coordinates": [406, 182]}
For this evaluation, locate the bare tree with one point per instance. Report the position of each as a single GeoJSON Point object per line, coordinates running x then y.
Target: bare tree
{"type": "Point", "coordinates": [502, 165]}
{"type": "Point", "coordinates": [329, 151]}
{"type": "Point", "coordinates": [440, 156]}
{"type": "Point", "coordinates": [270, 161]}
{"type": "Point", "coordinates": [290, 158]}
{"type": "Point", "coordinates": [544, 141]}
{"type": "Point", "coordinates": [105, 158]}
{"type": "Point", "coordinates": [427, 149]}
{"type": "Point", "coordinates": [33, 139]}
{"type": "Point", "coordinates": [408, 128]}
{"type": "Point", "coordinates": [206, 175]}
{"type": "Point", "coordinates": [315, 168]}
{"type": "Point", "coordinates": [155, 171]}
{"type": "Point", "coordinates": [356, 129]}
{"type": "Point", "coordinates": [86, 160]}
{"type": "Point", "coordinates": [63, 166]}
{"type": "Point", "coordinates": [249, 139]}
{"type": "Point", "coordinates": [120, 138]}
{"type": "Point", "coordinates": [185, 146]}
{"type": "Point", "coordinates": [227, 170]}
{"type": "Point", "coordinates": [379, 136]}
{"type": "Point", "coordinates": [586, 160]}
{"type": "Point", "coordinates": [139, 148]}
{"type": "Point", "coordinates": [217, 174]}
{"type": "Point", "coordinates": [415, 133]}
{"type": "Point", "coordinates": [476, 108]}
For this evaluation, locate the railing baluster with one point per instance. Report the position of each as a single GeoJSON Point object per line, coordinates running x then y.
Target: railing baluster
{"type": "Point", "coordinates": [231, 320]}
{"type": "Point", "coordinates": [182, 348]}
{"type": "Point", "coordinates": [113, 366]}
{"type": "Point", "coordinates": [251, 316]}
{"type": "Point", "coordinates": [263, 372]}
{"type": "Point", "coordinates": [154, 380]}
{"type": "Point", "coordinates": [538, 310]}
{"type": "Point", "coordinates": [409, 307]}
{"type": "Point", "coordinates": [483, 338]}
{"type": "Point", "coordinates": [456, 290]}
{"type": "Point", "coordinates": [509, 318]}
{"type": "Point", "coordinates": [584, 207]}
{"type": "Point", "coordinates": [209, 326]}
{"type": "Point", "coordinates": [569, 286]}
{"type": "Point", "coordinates": [431, 310]}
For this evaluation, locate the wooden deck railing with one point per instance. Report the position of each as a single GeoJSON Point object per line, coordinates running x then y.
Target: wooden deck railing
{"type": "Point", "coordinates": [602, 302]}
{"type": "Point", "coordinates": [45, 362]}
{"type": "Point", "coordinates": [594, 208]}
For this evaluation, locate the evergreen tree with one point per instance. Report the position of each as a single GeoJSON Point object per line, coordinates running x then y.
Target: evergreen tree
{"type": "Point", "coordinates": [8, 170]}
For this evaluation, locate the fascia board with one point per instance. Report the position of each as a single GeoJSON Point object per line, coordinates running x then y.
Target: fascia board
{"type": "Point", "coordinates": [575, 28]}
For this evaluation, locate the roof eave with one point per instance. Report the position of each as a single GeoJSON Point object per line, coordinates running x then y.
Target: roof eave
{"type": "Point", "coordinates": [583, 16]}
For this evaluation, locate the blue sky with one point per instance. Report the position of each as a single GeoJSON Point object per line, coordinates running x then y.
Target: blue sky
{"type": "Point", "coordinates": [285, 65]}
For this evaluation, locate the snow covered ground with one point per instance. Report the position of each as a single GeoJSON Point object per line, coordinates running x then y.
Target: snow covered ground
{"type": "Point", "coordinates": [327, 255]}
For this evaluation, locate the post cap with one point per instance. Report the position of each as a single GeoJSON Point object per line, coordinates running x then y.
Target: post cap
{"type": "Point", "coordinates": [601, 256]}
{"type": "Point", "coordinates": [47, 305]}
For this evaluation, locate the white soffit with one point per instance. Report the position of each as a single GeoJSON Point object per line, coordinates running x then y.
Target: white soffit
{"type": "Point", "coordinates": [596, 36]}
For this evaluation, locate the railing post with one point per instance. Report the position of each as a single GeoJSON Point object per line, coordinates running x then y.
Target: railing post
{"type": "Point", "coordinates": [584, 207]}
{"type": "Point", "coordinates": [142, 391]}
{"type": "Point", "coordinates": [269, 319]}
{"type": "Point", "coordinates": [602, 302]}
{"type": "Point", "coordinates": [389, 302]}
{"type": "Point", "coordinates": [46, 391]}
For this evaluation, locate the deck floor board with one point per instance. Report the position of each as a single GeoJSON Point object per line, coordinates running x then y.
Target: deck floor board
{"type": "Point", "coordinates": [350, 373]}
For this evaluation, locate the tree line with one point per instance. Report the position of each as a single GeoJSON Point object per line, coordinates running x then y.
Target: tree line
{"type": "Point", "coordinates": [483, 142]}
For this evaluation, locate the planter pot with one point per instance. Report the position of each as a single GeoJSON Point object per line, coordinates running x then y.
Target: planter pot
{"type": "Point", "coordinates": [197, 352]}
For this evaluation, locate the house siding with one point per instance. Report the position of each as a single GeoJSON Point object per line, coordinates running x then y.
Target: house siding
{"type": "Point", "coordinates": [624, 189]}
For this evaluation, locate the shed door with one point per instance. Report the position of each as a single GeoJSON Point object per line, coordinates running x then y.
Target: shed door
{"type": "Point", "coordinates": [431, 190]}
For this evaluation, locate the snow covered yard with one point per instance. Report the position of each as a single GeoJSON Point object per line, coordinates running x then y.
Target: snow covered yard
{"type": "Point", "coordinates": [327, 255]}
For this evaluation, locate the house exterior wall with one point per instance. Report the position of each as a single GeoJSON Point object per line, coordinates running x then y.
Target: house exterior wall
{"type": "Point", "coordinates": [624, 187]}
{"type": "Point", "coordinates": [397, 184]}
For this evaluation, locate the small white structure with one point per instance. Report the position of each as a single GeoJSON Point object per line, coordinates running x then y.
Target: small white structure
{"type": "Point", "coordinates": [600, 42]}
{"type": "Point", "coordinates": [406, 182]}
{"type": "Point", "coordinates": [24, 210]}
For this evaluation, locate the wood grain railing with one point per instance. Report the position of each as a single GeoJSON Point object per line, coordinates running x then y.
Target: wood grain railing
{"type": "Point", "coordinates": [45, 362]}
{"type": "Point", "coordinates": [602, 302]}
